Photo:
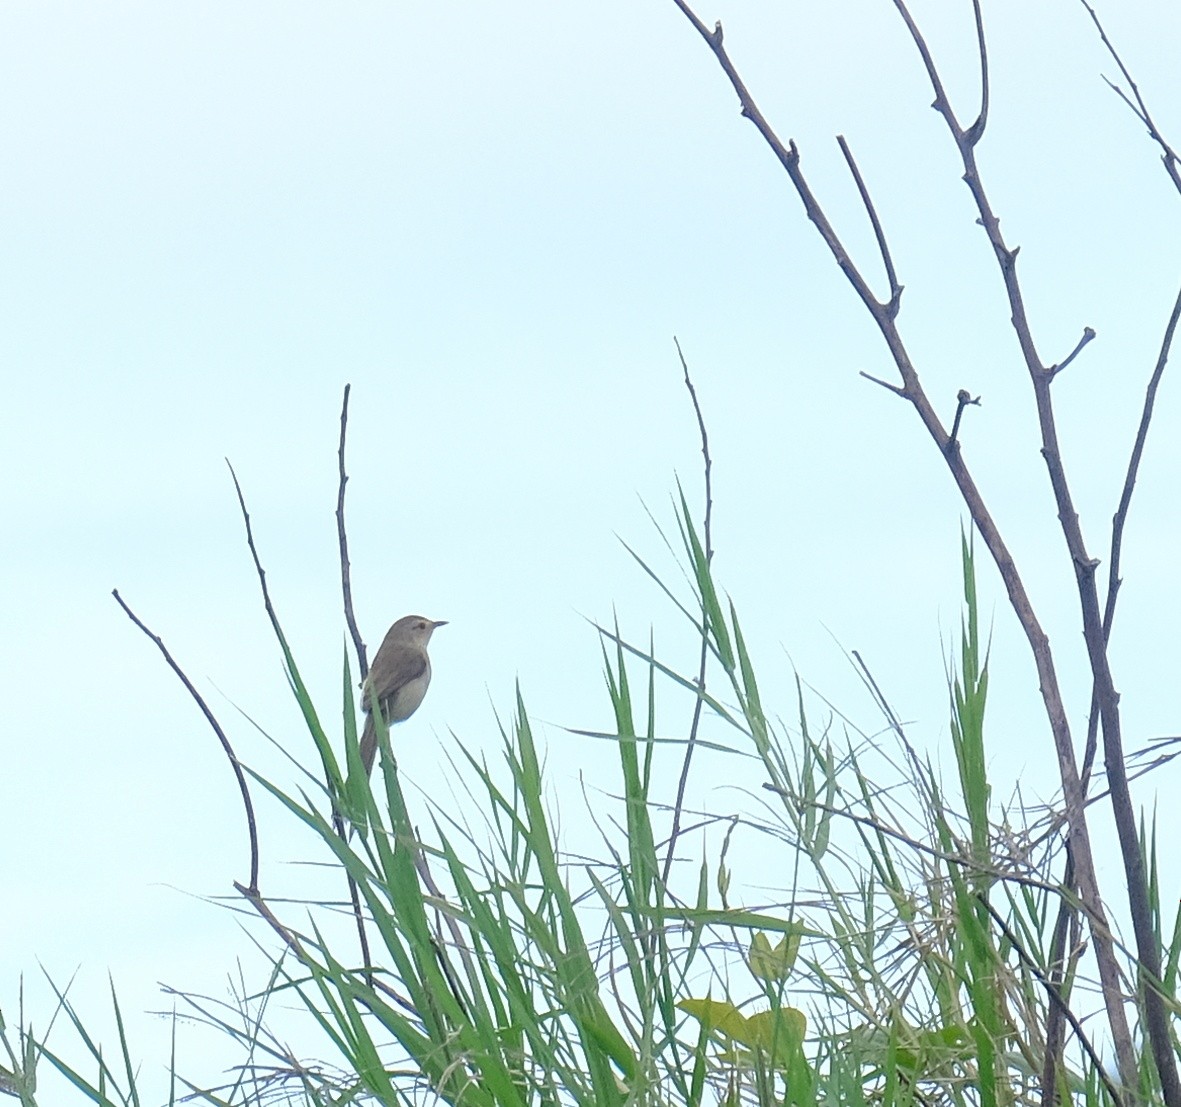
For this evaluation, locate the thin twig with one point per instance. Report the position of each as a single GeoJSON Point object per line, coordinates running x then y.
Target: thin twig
{"type": "Point", "coordinates": [1156, 1019]}
{"type": "Point", "coordinates": [362, 663]}
{"type": "Point", "coordinates": [259, 570]}
{"type": "Point", "coordinates": [976, 131]}
{"type": "Point", "coordinates": [254, 897]}
{"type": "Point", "coordinates": [1066, 928]}
{"type": "Point", "coordinates": [707, 538]}
{"type": "Point", "coordinates": [363, 669]}
{"type": "Point", "coordinates": [1057, 1000]}
{"type": "Point", "coordinates": [1168, 155]}
{"type": "Point", "coordinates": [1119, 522]}
{"type": "Point", "coordinates": [1088, 334]}
{"type": "Point", "coordinates": [883, 246]}
{"type": "Point", "coordinates": [896, 389]}
{"type": "Point", "coordinates": [963, 399]}
{"type": "Point", "coordinates": [252, 827]}
{"type": "Point", "coordinates": [346, 585]}
{"type": "Point", "coordinates": [1120, 519]}
{"type": "Point", "coordinates": [337, 819]}
{"type": "Point", "coordinates": [293, 943]}
{"type": "Point", "coordinates": [912, 391]}
{"type": "Point", "coordinates": [789, 158]}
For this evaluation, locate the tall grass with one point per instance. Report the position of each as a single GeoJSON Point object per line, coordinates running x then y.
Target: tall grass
{"type": "Point", "coordinates": [905, 964]}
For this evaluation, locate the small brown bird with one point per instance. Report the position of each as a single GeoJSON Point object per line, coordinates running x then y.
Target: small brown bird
{"type": "Point", "coordinates": [399, 678]}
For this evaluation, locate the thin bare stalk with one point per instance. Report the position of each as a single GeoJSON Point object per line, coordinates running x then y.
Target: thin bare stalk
{"type": "Point", "coordinates": [346, 582]}
{"type": "Point", "coordinates": [694, 726]}
{"type": "Point", "coordinates": [346, 587]}
{"type": "Point", "coordinates": [211, 719]}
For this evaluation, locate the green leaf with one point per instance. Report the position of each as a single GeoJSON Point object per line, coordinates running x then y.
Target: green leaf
{"type": "Point", "coordinates": [717, 1014]}
{"type": "Point", "coordinates": [773, 963]}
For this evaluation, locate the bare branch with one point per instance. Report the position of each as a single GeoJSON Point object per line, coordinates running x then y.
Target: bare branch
{"type": "Point", "coordinates": [789, 158]}
{"type": "Point", "coordinates": [449, 915]}
{"type": "Point", "coordinates": [337, 819]}
{"type": "Point", "coordinates": [1066, 929]}
{"type": "Point", "coordinates": [1103, 707]}
{"type": "Point", "coordinates": [346, 587]}
{"type": "Point", "coordinates": [342, 538]}
{"type": "Point", "coordinates": [291, 940]}
{"type": "Point", "coordinates": [210, 718]}
{"type": "Point", "coordinates": [1084, 566]}
{"type": "Point", "coordinates": [259, 570]}
{"type": "Point", "coordinates": [1006, 256]}
{"type": "Point", "coordinates": [1018, 597]}
{"type": "Point", "coordinates": [1120, 519]}
{"type": "Point", "coordinates": [254, 897]}
{"type": "Point", "coordinates": [941, 104]}
{"type": "Point", "coordinates": [1136, 102]}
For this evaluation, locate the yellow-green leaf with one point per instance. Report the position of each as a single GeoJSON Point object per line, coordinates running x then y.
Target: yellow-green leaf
{"type": "Point", "coordinates": [773, 963]}
{"type": "Point", "coordinates": [717, 1014]}
{"type": "Point", "coordinates": [776, 1031]}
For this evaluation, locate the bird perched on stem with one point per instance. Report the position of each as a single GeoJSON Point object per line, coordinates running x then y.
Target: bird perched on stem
{"type": "Point", "coordinates": [398, 678]}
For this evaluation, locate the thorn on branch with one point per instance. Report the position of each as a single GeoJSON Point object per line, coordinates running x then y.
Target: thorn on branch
{"type": "Point", "coordinates": [963, 399]}
{"type": "Point", "coordinates": [1054, 370]}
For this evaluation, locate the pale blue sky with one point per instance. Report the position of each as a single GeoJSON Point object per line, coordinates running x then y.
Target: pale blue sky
{"type": "Point", "coordinates": [491, 220]}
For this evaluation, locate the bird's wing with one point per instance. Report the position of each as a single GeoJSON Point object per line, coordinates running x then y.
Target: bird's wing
{"type": "Point", "coordinates": [386, 677]}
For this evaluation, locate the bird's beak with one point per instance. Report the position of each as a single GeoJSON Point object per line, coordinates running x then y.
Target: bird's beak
{"type": "Point", "coordinates": [440, 623]}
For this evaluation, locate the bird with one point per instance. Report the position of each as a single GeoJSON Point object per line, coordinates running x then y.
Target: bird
{"type": "Point", "coordinates": [398, 678]}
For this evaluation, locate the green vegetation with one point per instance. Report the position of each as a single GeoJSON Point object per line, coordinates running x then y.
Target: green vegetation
{"type": "Point", "coordinates": [927, 945]}
{"type": "Point", "coordinates": [909, 963]}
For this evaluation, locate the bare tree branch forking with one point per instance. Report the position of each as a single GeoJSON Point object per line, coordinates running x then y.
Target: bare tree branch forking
{"type": "Point", "coordinates": [1084, 565]}
{"type": "Point", "coordinates": [893, 304]}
